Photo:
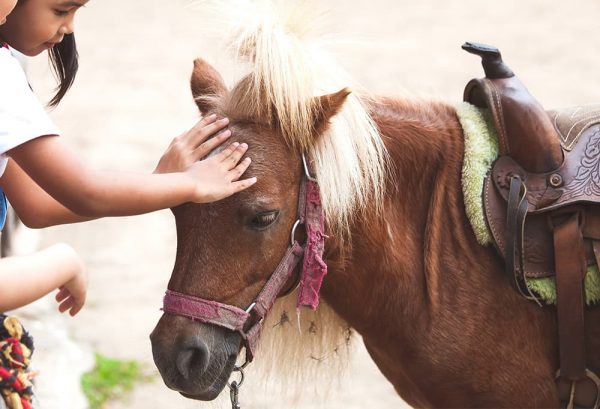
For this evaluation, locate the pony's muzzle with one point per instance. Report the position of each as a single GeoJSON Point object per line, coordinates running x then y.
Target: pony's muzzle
{"type": "Point", "coordinates": [193, 358]}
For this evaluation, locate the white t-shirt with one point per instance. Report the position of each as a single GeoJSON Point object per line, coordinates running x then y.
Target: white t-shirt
{"type": "Point", "coordinates": [22, 116]}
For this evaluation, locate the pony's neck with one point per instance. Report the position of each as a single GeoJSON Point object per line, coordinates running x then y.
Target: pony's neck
{"type": "Point", "coordinates": [425, 144]}
{"type": "Point", "coordinates": [390, 286]}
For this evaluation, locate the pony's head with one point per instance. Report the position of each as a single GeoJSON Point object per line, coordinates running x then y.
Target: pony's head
{"type": "Point", "coordinates": [291, 103]}
{"type": "Point", "coordinates": [227, 250]}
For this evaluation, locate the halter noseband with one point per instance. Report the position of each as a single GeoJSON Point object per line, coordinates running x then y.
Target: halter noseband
{"type": "Point", "coordinates": [248, 322]}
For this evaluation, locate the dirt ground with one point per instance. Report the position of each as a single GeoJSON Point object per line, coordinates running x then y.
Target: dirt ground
{"type": "Point", "coordinates": [131, 97]}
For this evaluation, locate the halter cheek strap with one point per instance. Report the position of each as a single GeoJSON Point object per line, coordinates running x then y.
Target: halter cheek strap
{"type": "Point", "coordinates": [248, 323]}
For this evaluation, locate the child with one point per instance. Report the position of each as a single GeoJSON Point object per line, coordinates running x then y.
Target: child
{"type": "Point", "coordinates": [47, 184]}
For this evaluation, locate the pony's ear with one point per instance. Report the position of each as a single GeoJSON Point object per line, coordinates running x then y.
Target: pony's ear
{"type": "Point", "coordinates": [327, 107]}
{"type": "Point", "coordinates": [206, 83]}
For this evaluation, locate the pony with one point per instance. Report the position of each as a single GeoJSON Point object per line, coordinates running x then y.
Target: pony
{"type": "Point", "coordinates": [405, 270]}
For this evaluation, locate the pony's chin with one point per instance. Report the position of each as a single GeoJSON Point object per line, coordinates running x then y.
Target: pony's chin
{"type": "Point", "coordinates": [206, 396]}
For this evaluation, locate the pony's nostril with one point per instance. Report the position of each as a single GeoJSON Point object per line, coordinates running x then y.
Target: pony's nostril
{"type": "Point", "coordinates": [192, 360]}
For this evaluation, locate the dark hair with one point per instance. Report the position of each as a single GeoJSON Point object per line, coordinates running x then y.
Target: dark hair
{"type": "Point", "coordinates": [64, 61]}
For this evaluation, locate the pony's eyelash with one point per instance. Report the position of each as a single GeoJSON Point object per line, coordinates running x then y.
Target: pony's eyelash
{"type": "Point", "coordinates": [265, 219]}
{"type": "Point", "coordinates": [268, 217]}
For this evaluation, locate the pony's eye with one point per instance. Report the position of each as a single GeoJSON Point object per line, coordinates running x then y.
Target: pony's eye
{"type": "Point", "coordinates": [263, 220]}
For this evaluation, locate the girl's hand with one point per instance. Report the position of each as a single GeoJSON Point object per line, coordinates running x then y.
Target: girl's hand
{"type": "Point", "coordinates": [28, 278]}
{"type": "Point", "coordinates": [72, 294]}
{"type": "Point", "coordinates": [193, 145]}
{"type": "Point", "coordinates": [217, 176]}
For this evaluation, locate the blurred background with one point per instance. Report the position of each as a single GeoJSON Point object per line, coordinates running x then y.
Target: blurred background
{"type": "Point", "coordinates": [132, 97]}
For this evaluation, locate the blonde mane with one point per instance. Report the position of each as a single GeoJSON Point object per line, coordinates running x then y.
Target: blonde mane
{"type": "Point", "coordinates": [288, 67]}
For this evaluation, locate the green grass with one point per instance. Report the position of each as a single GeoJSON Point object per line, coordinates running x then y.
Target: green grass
{"type": "Point", "coordinates": [110, 379]}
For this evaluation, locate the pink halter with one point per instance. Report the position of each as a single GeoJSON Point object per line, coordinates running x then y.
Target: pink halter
{"type": "Point", "coordinates": [248, 322]}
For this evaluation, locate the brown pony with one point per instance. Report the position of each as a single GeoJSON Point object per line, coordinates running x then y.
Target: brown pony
{"type": "Point", "coordinates": [435, 311]}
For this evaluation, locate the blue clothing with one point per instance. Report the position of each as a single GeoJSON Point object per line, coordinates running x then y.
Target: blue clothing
{"type": "Point", "coordinates": [3, 208]}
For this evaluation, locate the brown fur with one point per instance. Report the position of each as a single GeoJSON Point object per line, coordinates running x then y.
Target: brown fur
{"type": "Point", "coordinates": [433, 307]}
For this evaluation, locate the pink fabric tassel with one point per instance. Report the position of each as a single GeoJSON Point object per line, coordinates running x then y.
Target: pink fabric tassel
{"type": "Point", "coordinates": [313, 267]}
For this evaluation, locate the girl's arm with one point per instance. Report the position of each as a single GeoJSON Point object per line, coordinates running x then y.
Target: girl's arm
{"type": "Point", "coordinates": [27, 278]}
{"type": "Point", "coordinates": [37, 209]}
{"type": "Point", "coordinates": [57, 170]}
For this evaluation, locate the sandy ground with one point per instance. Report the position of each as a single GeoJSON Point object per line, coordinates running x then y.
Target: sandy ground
{"type": "Point", "coordinates": [132, 97]}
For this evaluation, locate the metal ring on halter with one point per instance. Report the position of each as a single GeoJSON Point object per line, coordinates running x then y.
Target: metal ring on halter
{"type": "Point", "coordinates": [293, 233]}
{"type": "Point", "coordinates": [239, 369]}
{"type": "Point", "coordinates": [306, 172]}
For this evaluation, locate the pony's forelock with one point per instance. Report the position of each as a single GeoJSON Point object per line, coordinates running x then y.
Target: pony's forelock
{"type": "Point", "coordinates": [289, 67]}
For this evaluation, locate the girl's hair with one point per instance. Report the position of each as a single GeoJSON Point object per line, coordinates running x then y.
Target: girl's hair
{"type": "Point", "coordinates": [64, 61]}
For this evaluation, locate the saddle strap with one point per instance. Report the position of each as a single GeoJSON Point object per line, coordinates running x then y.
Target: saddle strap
{"type": "Point", "coordinates": [516, 212]}
{"type": "Point", "coordinates": [570, 262]}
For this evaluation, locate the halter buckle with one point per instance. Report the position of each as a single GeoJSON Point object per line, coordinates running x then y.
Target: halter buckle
{"type": "Point", "coordinates": [306, 171]}
{"type": "Point", "coordinates": [293, 233]}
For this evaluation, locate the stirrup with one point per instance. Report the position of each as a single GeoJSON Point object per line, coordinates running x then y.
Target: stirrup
{"type": "Point", "coordinates": [589, 375]}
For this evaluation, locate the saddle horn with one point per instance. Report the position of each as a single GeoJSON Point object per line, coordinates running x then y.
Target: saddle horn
{"type": "Point", "coordinates": [525, 131]}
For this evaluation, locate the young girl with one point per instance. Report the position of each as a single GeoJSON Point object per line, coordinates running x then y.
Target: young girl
{"type": "Point", "coordinates": [47, 184]}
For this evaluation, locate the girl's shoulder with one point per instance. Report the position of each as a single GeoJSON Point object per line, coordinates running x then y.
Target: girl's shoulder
{"type": "Point", "coordinates": [11, 72]}
{"type": "Point", "coordinates": [16, 92]}
{"type": "Point", "coordinates": [22, 116]}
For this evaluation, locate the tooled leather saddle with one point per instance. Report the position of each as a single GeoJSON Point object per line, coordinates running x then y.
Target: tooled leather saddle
{"type": "Point", "coordinates": [542, 205]}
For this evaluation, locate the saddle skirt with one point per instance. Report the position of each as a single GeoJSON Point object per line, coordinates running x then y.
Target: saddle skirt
{"type": "Point", "coordinates": [575, 183]}
{"type": "Point", "coordinates": [489, 226]}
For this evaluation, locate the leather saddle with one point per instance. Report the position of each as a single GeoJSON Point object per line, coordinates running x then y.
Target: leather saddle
{"type": "Point", "coordinates": [542, 204]}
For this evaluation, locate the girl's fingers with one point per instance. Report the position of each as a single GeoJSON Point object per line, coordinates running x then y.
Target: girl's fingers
{"type": "Point", "coordinates": [66, 305]}
{"type": "Point", "coordinates": [235, 156]}
{"type": "Point", "coordinates": [62, 294]}
{"type": "Point", "coordinates": [76, 308]}
{"type": "Point", "coordinates": [242, 184]}
{"type": "Point", "coordinates": [207, 120]}
{"type": "Point", "coordinates": [197, 136]}
{"type": "Point", "coordinates": [227, 152]}
{"type": "Point", "coordinates": [208, 146]}
{"type": "Point", "coordinates": [239, 170]}
{"type": "Point", "coordinates": [186, 136]}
